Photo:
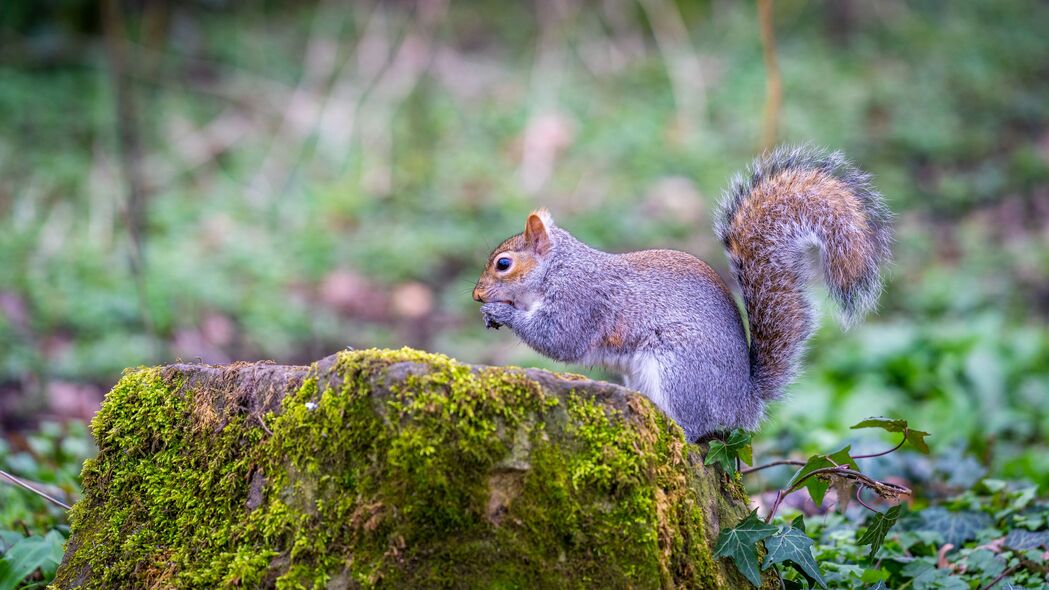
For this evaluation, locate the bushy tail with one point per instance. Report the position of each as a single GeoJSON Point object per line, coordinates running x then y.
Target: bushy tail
{"type": "Point", "coordinates": [795, 201]}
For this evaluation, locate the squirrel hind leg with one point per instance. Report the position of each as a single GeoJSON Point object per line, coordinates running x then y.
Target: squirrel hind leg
{"type": "Point", "coordinates": [705, 399]}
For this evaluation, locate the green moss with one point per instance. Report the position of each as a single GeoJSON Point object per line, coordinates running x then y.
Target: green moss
{"type": "Point", "coordinates": [392, 469]}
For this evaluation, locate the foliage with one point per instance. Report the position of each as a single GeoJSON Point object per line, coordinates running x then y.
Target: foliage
{"type": "Point", "coordinates": [739, 544]}
{"type": "Point", "coordinates": [993, 533]}
{"type": "Point", "coordinates": [916, 438]}
{"type": "Point", "coordinates": [878, 527]}
{"type": "Point", "coordinates": [725, 453]}
{"type": "Point", "coordinates": [817, 486]}
{"type": "Point", "coordinates": [32, 531]}
{"type": "Point", "coordinates": [790, 544]}
{"type": "Point", "coordinates": [986, 378]}
{"type": "Point", "coordinates": [28, 558]}
{"type": "Point", "coordinates": [915, 553]}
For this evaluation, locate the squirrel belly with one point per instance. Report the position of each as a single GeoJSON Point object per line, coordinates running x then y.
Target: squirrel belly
{"type": "Point", "coordinates": [668, 324]}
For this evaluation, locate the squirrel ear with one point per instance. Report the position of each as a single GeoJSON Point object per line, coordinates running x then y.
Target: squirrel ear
{"type": "Point", "coordinates": [537, 231]}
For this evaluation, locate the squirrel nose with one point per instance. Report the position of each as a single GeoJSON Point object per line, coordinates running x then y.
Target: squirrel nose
{"type": "Point", "coordinates": [478, 295]}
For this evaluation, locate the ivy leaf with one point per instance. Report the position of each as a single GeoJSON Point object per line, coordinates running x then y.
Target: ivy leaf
{"type": "Point", "coordinates": [817, 486]}
{"type": "Point", "coordinates": [725, 453]}
{"type": "Point", "coordinates": [926, 576]}
{"type": "Point", "coordinates": [954, 527]}
{"type": "Point", "coordinates": [719, 455]}
{"type": "Point", "coordinates": [985, 562]}
{"type": "Point", "coordinates": [1022, 540]}
{"type": "Point", "coordinates": [740, 545]}
{"type": "Point", "coordinates": [791, 544]}
{"type": "Point", "coordinates": [739, 441]}
{"type": "Point", "coordinates": [915, 437]}
{"type": "Point", "coordinates": [917, 440]}
{"type": "Point", "coordinates": [879, 527]}
{"type": "Point", "coordinates": [799, 522]}
{"type": "Point", "coordinates": [889, 424]}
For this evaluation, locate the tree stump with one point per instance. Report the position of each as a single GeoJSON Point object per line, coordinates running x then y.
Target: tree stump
{"type": "Point", "coordinates": [396, 469]}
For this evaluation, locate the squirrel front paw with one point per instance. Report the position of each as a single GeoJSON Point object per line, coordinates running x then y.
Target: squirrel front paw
{"type": "Point", "coordinates": [496, 314]}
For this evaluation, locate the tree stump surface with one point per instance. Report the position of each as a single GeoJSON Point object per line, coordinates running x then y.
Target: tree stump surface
{"type": "Point", "coordinates": [396, 469]}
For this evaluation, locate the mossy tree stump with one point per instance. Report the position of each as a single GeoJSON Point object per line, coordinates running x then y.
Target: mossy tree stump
{"type": "Point", "coordinates": [395, 469]}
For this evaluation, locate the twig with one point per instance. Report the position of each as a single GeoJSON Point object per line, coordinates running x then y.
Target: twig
{"type": "Point", "coordinates": [1002, 576]}
{"type": "Point", "coordinates": [18, 482]}
{"type": "Point", "coordinates": [941, 557]}
{"type": "Point", "coordinates": [684, 69]}
{"type": "Point", "coordinates": [775, 505]}
{"type": "Point", "coordinates": [872, 455]}
{"type": "Point", "coordinates": [882, 488]}
{"type": "Point", "coordinates": [130, 152]}
{"type": "Point", "coordinates": [264, 427]}
{"type": "Point", "coordinates": [859, 498]}
{"type": "Point", "coordinates": [797, 462]}
{"type": "Point", "coordinates": [773, 87]}
{"type": "Point", "coordinates": [772, 464]}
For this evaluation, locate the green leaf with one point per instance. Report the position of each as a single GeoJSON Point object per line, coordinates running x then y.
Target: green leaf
{"type": "Point", "coordinates": [739, 441]}
{"type": "Point", "coordinates": [1021, 540]}
{"type": "Point", "coordinates": [889, 424]}
{"type": "Point", "coordinates": [791, 544]}
{"type": "Point", "coordinates": [874, 576]}
{"type": "Point", "coordinates": [799, 522]}
{"type": "Point", "coordinates": [719, 455]}
{"type": "Point", "coordinates": [917, 440]}
{"type": "Point", "coordinates": [926, 576]}
{"type": "Point", "coordinates": [8, 539]}
{"type": "Point", "coordinates": [879, 527]}
{"type": "Point", "coordinates": [740, 545]}
{"type": "Point", "coordinates": [817, 486]}
{"type": "Point", "coordinates": [915, 437]}
{"type": "Point", "coordinates": [725, 453]}
{"type": "Point", "coordinates": [30, 554]}
{"type": "Point", "coordinates": [954, 527]}
{"type": "Point", "coordinates": [985, 562]}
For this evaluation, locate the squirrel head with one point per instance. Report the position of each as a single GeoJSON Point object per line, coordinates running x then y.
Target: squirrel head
{"type": "Point", "coordinates": [511, 264]}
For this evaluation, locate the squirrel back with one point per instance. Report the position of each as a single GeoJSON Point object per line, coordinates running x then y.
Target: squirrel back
{"type": "Point", "coordinates": [792, 201]}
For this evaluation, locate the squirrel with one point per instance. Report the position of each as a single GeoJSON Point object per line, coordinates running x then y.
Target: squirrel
{"type": "Point", "coordinates": [665, 320]}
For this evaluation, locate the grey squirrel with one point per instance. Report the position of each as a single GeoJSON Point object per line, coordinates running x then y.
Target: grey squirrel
{"type": "Point", "coordinates": [668, 323]}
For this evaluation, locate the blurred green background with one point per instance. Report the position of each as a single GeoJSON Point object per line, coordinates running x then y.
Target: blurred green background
{"type": "Point", "coordinates": [217, 181]}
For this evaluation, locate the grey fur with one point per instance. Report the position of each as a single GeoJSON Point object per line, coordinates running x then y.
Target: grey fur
{"type": "Point", "coordinates": [804, 227]}
{"type": "Point", "coordinates": [862, 297]}
{"type": "Point", "coordinates": [688, 323]}
{"type": "Point", "coordinates": [665, 321]}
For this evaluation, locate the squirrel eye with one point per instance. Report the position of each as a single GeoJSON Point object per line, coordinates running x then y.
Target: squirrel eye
{"type": "Point", "coordinates": [503, 263]}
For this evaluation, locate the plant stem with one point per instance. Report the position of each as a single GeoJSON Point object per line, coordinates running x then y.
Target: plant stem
{"type": "Point", "coordinates": [775, 506]}
{"type": "Point", "coordinates": [882, 488]}
{"type": "Point", "coordinates": [772, 464]}
{"type": "Point", "coordinates": [1001, 576]}
{"type": "Point", "coordinates": [859, 498]}
{"type": "Point", "coordinates": [18, 482]}
{"type": "Point", "coordinates": [871, 456]}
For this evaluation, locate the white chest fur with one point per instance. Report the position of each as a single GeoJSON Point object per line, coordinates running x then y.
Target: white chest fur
{"type": "Point", "coordinates": [641, 372]}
